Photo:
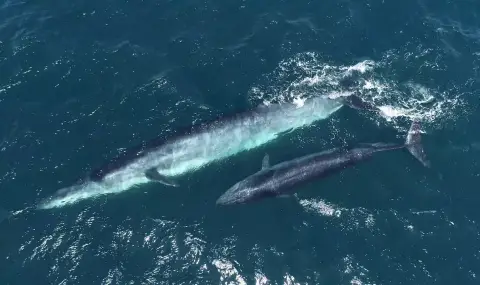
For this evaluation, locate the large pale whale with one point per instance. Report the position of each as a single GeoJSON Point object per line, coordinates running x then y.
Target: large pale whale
{"type": "Point", "coordinates": [284, 178]}
{"type": "Point", "coordinates": [162, 160]}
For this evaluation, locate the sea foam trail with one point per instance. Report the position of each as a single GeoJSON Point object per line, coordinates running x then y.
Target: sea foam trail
{"type": "Point", "coordinates": [191, 152]}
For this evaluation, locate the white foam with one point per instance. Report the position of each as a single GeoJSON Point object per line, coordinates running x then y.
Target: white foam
{"type": "Point", "coordinates": [299, 101]}
{"type": "Point", "coordinates": [320, 207]}
{"type": "Point", "coordinates": [228, 272]}
{"type": "Point", "coordinates": [361, 67]}
{"type": "Point", "coordinates": [307, 75]}
{"type": "Point", "coordinates": [261, 279]}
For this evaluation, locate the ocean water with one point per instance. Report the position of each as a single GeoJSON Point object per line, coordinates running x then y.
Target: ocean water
{"type": "Point", "coordinates": [81, 81]}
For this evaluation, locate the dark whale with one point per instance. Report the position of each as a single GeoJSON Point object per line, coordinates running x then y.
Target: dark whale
{"type": "Point", "coordinates": [282, 179]}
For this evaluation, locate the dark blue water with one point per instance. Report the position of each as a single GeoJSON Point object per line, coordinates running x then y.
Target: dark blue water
{"type": "Point", "coordinates": [82, 80]}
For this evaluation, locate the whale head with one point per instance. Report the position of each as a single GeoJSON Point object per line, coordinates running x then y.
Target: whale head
{"type": "Point", "coordinates": [255, 187]}
{"type": "Point", "coordinates": [234, 195]}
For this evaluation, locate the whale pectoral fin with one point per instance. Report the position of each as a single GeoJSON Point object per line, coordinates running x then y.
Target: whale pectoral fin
{"type": "Point", "coordinates": [289, 196]}
{"type": "Point", "coordinates": [154, 175]}
{"type": "Point", "coordinates": [266, 161]}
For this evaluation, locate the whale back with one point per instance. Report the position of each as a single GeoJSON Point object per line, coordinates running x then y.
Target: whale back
{"type": "Point", "coordinates": [142, 149]}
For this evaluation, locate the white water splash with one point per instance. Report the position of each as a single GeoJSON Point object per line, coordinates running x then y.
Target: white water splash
{"type": "Point", "coordinates": [308, 74]}
{"type": "Point", "coordinates": [320, 207]}
{"type": "Point", "coordinates": [349, 219]}
{"type": "Point", "coordinates": [228, 272]}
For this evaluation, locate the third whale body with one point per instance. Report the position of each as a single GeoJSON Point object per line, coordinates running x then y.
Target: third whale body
{"type": "Point", "coordinates": [162, 160]}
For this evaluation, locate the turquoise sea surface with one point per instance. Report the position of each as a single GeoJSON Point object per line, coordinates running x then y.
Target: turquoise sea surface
{"type": "Point", "coordinates": [82, 81]}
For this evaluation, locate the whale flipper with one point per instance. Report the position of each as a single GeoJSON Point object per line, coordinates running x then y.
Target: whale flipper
{"type": "Point", "coordinates": [414, 143]}
{"type": "Point", "coordinates": [266, 162]}
{"type": "Point", "coordinates": [154, 175]}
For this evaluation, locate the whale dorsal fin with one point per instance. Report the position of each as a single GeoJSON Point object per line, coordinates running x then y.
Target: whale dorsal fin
{"type": "Point", "coordinates": [266, 162]}
{"type": "Point", "coordinates": [154, 175]}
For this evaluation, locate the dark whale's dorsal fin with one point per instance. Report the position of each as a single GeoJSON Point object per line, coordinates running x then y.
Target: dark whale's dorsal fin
{"type": "Point", "coordinates": [154, 175]}
{"type": "Point", "coordinates": [266, 162]}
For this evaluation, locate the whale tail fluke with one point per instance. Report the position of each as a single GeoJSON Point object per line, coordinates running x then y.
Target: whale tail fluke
{"type": "Point", "coordinates": [414, 144]}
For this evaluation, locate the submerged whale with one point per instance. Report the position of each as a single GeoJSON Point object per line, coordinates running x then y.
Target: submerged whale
{"type": "Point", "coordinates": [162, 160]}
{"type": "Point", "coordinates": [283, 178]}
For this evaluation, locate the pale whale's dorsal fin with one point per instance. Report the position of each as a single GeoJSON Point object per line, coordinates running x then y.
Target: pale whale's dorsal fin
{"type": "Point", "coordinates": [154, 175]}
{"type": "Point", "coordinates": [266, 162]}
